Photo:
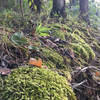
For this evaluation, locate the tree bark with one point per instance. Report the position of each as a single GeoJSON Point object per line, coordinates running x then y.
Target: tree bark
{"type": "Point", "coordinates": [58, 8]}
{"type": "Point", "coordinates": [84, 10]}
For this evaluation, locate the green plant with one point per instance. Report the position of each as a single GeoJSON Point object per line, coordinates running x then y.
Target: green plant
{"type": "Point", "coordinates": [42, 30]}
{"type": "Point", "coordinates": [18, 38]}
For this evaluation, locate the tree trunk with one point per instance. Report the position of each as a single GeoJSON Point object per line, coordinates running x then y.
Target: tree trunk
{"type": "Point", "coordinates": [58, 8]}
{"type": "Point", "coordinates": [84, 10]}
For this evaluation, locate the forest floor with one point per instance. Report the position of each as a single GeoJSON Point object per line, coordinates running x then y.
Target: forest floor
{"type": "Point", "coordinates": [62, 47]}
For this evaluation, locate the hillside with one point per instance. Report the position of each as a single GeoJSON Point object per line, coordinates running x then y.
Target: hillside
{"type": "Point", "coordinates": [64, 51]}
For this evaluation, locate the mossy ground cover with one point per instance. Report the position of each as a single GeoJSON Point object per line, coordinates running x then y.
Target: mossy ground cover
{"type": "Point", "coordinates": [78, 38]}
{"type": "Point", "coordinates": [53, 57]}
{"type": "Point", "coordinates": [35, 84]}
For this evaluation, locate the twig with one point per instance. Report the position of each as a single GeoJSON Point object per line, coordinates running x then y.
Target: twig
{"type": "Point", "coordinates": [84, 69]}
{"type": "Point", "coordinates": [90, 87]}
{"type": "Point", "coordinates": [78, 84]}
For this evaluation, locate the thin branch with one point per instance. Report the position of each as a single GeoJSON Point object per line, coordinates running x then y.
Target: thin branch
{"type": "Point", "coordinates": [75, 85]}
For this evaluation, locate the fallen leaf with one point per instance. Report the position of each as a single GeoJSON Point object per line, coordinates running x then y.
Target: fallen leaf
{"type": "Point", "coordinates": [97, 74]}
{"type": "Point", "coordinates": [35, 62]}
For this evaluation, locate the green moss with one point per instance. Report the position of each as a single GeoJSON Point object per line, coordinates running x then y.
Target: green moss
{"type": "Point", "coordinates": [77, 38]}
{"type": "Point", "coordinates": [59, 34]}
{"type": "Point", "coordinates": [56, 25]}
{"type": "Point", "coordinates": [65, 73]}
{"type": "Point", "coordinates": [80, 50]}
{"type": "Point", "coordinates": [84, 50]}
{"type": "Point", "coordinates": [67, 28]}
{"type": "Point", "coordinates": [96, 45]}
{"type": "Point", "coordinates": [53, 58]}
{"type": "Point", "coordinates": [35, 84]}
{"type": "Point", "coordinates": [50, 64]}
{"type": "Point", "coordinates": [57, 30]}
{"type": "Point", "coordinates": [80, 33]}
{"type": "Point", "coordinates": [89, 50]}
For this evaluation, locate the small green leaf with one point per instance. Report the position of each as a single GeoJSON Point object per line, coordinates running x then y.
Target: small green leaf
{"type": "Point", "coordinates": [18, 38]}
{"type": "Point", "coordinates": [44, 34]}
{"type": "Point", "coordinates": [42, 30]}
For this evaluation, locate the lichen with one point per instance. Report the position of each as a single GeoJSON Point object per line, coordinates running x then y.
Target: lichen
{"type": "Point", "coordinates": [35, 84]}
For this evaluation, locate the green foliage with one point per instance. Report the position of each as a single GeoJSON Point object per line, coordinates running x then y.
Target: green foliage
{"type": "Point", "coordinates": [42, 30]}
{"type": "Point", "coordinates": [73, 11]}
{"type": "Point", "coordinates": [35, 84]}
{"type": "Point", "coordinates": [94, 13]}
{"type": "Point", "coordinates": [18, 38]}
{"type": "Point", "coordinates": [56, 30]}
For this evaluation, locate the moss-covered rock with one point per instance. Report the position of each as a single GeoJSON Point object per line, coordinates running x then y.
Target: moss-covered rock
{"type": "Point", "coordinates": [35, 84]}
